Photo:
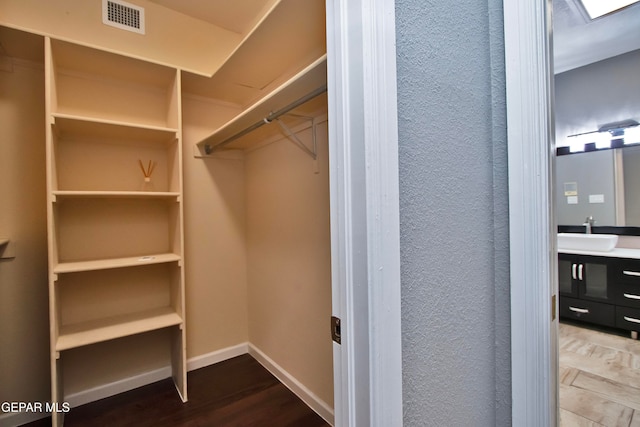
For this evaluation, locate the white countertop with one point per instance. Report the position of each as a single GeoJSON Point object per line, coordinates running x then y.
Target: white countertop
{"type": "Point", "coordinates": [615, 253]}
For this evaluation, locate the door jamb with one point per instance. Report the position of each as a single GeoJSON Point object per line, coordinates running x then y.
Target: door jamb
{"type": "Point", "coordinates": [530, 131]}
{"type": "Point", "coordinates": [364, 195]}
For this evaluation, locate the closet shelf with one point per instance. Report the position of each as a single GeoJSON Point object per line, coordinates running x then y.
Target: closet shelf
{"type": "Point", "coordinates": [70, 124]}
{"type": "Point", "coordinates": [91, 332]}
{"type": "Point", "coordinates": [105, 264]}
{"type": "Point", "coordinates": [66, 194]}
{"type": "Point", "coordinates": [307, 84]}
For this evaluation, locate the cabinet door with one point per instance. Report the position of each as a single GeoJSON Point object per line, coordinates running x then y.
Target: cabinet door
{"type": "Point", "coordinates": [567, 276]}
{"type": "Point", "coordinates": [594, 276]}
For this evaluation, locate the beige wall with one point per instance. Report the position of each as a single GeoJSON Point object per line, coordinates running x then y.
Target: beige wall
{"type": "Point", "coordinates": [215, 255]}
{"type": "Point", "coordinates": [257, 251]}
{"type": "Point", "coordinates": [289, 272]}
{"type": "Point", "coordinates": [24, 308]}
{"type": "Point", "coordinates": [167, 33]}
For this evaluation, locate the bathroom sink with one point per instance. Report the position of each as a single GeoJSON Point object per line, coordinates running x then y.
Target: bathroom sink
{"type": "Point", "coordinates": [587, 242]}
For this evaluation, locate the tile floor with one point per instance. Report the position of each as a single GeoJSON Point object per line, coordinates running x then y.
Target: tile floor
{"type": "Point", "coordinates": [599, 378]}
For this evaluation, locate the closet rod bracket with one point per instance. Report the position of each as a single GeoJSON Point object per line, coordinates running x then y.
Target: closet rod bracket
{"type": "Point", "coordinates": [291, 135]}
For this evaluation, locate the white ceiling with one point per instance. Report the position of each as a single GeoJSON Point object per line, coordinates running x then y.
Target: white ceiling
{"type": "Point", "coordinates": [238, 16]}
{"type": "Point", "coordinates": [577, 41]}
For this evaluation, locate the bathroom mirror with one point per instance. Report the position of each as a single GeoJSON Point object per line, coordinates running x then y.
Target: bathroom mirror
{"type": "Point", "coordinates": [603, 184]}
{"type": "Point", "coordinates": [587, 98]}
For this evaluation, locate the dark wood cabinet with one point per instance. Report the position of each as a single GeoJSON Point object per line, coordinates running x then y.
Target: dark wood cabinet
{"type": "Point", "coordinates": [586, 277]}
{"type": "Point", "coordinates": [585, 289]}
{"type": "Point", "coordinates": [626, 293]}
{"type": "Point", "coordinates": [600, 290]}
{"type": "Point", "coordinates": [588, 311]}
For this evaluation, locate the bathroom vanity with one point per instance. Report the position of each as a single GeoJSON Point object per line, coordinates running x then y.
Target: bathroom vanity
{"type": "Point", "coordinates": [601, 288]}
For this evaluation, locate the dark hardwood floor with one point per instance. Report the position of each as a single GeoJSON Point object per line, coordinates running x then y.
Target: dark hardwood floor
{"type": "Point", "coordinates": [238, 392]}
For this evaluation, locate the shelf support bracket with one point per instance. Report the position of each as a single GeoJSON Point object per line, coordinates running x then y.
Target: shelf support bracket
{"type": "Point", "coordinates": [7, 248]}
{"type": "Point", "coordinates": [313, 151]}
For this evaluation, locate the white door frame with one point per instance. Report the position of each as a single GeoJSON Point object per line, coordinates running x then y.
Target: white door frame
{"type": "Point", "coordinates": [533, 252]}
{"type": "Point", "coordinates": [365, 231]}
{"type": "Point", "coordinates": [364, 211]}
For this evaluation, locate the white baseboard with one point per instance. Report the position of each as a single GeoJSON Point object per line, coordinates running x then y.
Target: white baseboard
{"type": "Point", "coordinates": [217, 356]}
{"type": "Point", "coordinates": [126, 384]}
{"type": "Point", "coordinates": [306, 395]}
{"type": "Point", "coordinates": [90, 395]}
{"type": "Point", "coordinates": [116, 387]}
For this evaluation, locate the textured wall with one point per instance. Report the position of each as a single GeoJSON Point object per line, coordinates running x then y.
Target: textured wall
{"type": "Point", "coordinates": [454, 216]}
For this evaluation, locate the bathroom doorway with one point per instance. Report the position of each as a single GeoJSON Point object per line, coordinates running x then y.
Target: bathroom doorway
{"type": "Point", "coordinates": [597, 359]}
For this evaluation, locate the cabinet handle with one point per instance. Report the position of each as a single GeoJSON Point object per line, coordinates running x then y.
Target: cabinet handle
{"type": "Point", "coordinates": [580, 271]}
{"type": "Point", "coordinates": [630, 273]}
{"type": "Point", "coordinates": [631, 319]}
{"type": "Point", "coordinates": [573, 272]}
{"type": "Point", "coordinates": [579, 310]}
{"type": "Point", "coordinates": [631, 296]}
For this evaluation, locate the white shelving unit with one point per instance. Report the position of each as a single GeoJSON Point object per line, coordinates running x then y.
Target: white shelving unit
{"type": "Point", "coordinates": [115, 243]}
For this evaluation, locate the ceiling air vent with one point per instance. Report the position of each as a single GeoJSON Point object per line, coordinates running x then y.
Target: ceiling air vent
{"type": "Point", "coordinates": [123, 15]}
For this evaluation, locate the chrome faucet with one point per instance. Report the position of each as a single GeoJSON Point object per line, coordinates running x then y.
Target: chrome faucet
{"type": "Point", "coordinates": [588, 223]}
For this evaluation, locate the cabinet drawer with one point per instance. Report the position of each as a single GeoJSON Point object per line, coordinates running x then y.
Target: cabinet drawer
{"type": "Point", "coordinates": [627, 294]}
{"type": "Point", "coordinates": [628, 318]}
{"type": "Point", "coordinates": [587, 311]}
{"type": "Point", "coordinates": [628, 271]}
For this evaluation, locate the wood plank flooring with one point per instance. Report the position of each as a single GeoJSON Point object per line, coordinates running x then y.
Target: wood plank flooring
{"type": "Point", "coordinates": [599, 386]}
{"type": "Point", "coordinates": [599, 378]}
{"type": "Point", "coordinates": [238, 392]}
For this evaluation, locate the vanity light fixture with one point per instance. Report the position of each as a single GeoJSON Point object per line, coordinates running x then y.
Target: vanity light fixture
{"type": "Point", "coordinates": [589, 141]}
{"type": "Point", "coordinates": [610, 135]}
{"type": "Point", "coordinates": [598, 8]}
{"type": "Point", "coordinates": [632, 135]}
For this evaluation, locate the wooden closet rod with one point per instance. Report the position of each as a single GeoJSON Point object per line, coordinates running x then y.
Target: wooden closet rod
{"type": "Point", "coordinates": [208, 148]}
